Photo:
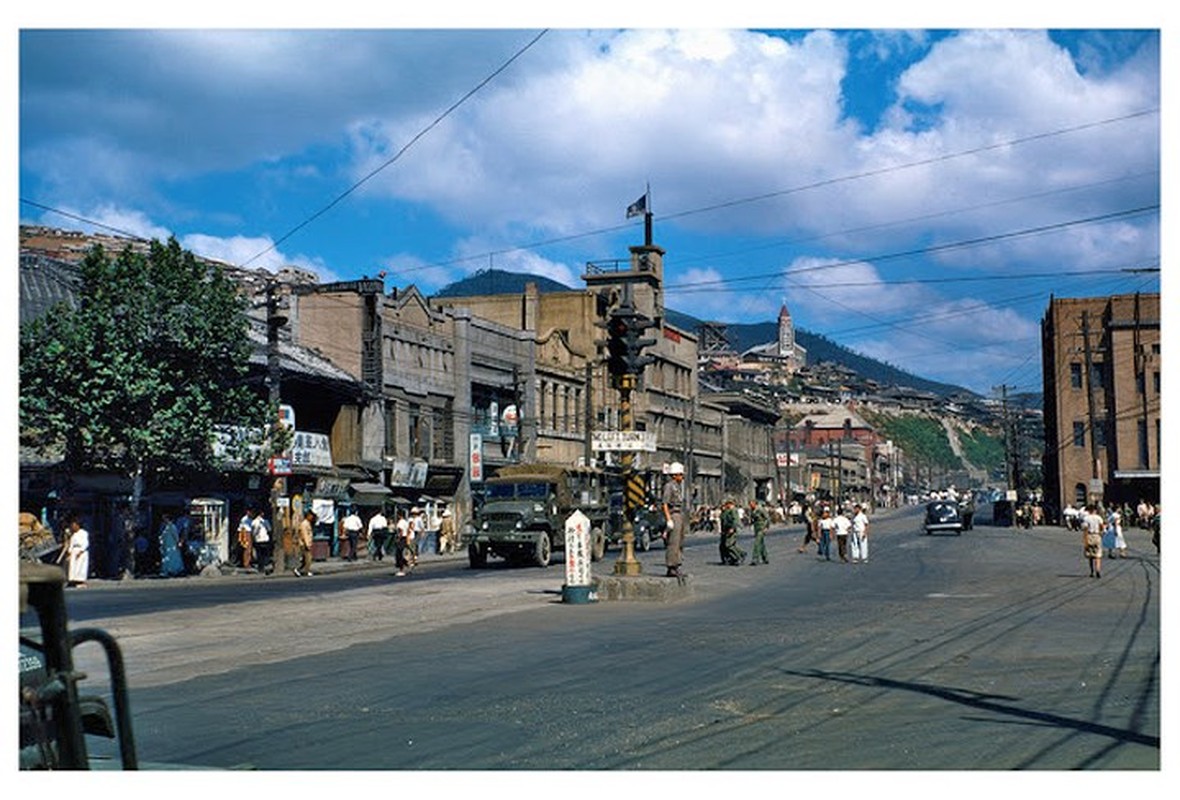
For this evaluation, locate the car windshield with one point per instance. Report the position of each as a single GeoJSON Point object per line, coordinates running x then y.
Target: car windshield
{"type": "Point", "coordinates": [512, 491]}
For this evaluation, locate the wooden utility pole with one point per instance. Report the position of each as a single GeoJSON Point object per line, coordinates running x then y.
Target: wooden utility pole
{"type": "Point", "coordinates": [1091, 401]}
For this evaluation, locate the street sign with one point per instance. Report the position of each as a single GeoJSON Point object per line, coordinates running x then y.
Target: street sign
{"type": "Point", "coordinates": [614, 441]}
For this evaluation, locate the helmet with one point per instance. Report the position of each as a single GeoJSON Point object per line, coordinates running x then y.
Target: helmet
{"type": "Point", "coordinates": [675, 468]}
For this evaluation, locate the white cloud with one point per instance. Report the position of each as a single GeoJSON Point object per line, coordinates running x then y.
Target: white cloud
{"type": "Point", "coordinates": [251, 252]}
{"type": "Point", "coordinates": [704, 294]}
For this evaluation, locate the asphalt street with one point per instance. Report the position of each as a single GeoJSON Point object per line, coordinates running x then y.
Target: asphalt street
{"type": "Point", "coordinates": [992, 650]}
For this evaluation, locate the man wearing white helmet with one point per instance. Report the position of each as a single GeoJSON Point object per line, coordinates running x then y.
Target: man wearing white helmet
{"type": "Point", "coordinates": [674, 517]}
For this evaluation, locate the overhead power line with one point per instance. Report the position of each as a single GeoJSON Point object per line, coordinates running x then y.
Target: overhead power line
{"type": "Point", "coordinates": [957, 245]}
{"type": "Point", "coordinates": [400, 152]}
{"type": "Point", "coordinates": [802, 188]}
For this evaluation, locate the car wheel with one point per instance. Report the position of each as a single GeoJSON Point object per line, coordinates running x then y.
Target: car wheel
{"type": "Point", "coordinates": [643, 541]}
{"type": "Point", "coordinates": [542, 549]}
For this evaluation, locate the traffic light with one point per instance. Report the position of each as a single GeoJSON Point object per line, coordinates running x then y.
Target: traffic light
{"type": "Point", "coordinates": [636, 325]}
{"type": "Point", "coordinates": [617, 329]}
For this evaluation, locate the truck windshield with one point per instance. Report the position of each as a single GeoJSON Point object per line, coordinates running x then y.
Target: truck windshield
{"type": "Point", "coordinates": [511, 491]}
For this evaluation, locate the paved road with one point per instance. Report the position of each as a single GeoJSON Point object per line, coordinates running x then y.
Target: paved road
{"type": "Point", "coordinates": [991, 650]}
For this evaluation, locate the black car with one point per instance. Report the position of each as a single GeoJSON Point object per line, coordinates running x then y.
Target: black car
{"type": "Point", "coordinates": [943, 516]}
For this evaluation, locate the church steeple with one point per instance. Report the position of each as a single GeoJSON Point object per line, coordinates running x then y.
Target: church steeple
{"type": "Point", "coordinates": [786, 333]}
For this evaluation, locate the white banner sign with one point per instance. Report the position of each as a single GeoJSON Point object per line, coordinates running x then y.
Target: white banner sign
{"type": "Point", "coordinates": [608, 441]}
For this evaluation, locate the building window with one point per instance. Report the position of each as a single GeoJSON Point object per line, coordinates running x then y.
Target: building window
{"type": "Point", "coordinates": [1075, 375]}
{"type": "Point", "coordinates": [391, 428]}
{"type": "Point", "coordinates": [1143, 454]}
{"type": "Point", "coordinates": [1140, 382]}
{"type": "Point", "coordinates": [1079, 494]}
{"type": "Point", "coordinates": [1155, 347]}
{"type": "Point", "coordinates": [1155, 382]}
{"type": "Point", "coordinates": [444, 439]}
{"type": "Point", "coordinates": [415, 422]}
{"type": "Point", "coordinates": [1100, 434]}
{"type": "Point", "coordinates": [1097, 375]}
{"type": "Point", "coordinates": [1079, 434]}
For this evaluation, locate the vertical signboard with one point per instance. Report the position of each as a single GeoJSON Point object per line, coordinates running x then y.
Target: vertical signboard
{"type": "Point", "coordinates": [577, 588]}
{"type": "Point", "coordinates": [475, 465]}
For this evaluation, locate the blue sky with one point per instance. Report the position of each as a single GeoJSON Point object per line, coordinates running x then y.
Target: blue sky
{"type": "Point", "coordinates": [913, 194]}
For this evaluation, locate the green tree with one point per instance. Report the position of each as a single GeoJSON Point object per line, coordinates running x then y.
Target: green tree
{"type": "Point", "coordinates": [139, 374]}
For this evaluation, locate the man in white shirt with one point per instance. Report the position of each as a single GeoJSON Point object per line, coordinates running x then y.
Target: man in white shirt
{"type": "Point", "coordinates": [842, 526]}
{"type": "Point", "coordinates": [860, 535]}
{"type": "Point", "coordinates": [263, 545]}
{"type": "Point", "coordinates": [378, 531]}
{"type": "Point", "coordinates": [402, 539]}
{"type": "Point", "coordinates": [352, 526]}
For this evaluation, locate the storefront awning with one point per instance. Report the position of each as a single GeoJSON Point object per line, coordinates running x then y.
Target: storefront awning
{"type": "Point", "coordinates": [369, 494]}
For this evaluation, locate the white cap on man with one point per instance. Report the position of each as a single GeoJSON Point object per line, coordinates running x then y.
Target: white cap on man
{"type": "Point", "coordinates": [675, 468]}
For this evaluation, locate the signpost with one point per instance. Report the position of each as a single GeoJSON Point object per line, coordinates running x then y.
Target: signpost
{"type": "Point", "coordinates": [577, 588]}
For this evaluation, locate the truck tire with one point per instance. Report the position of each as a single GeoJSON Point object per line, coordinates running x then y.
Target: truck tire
{"type": "Point", "coordinates": [597, 544]}
{"type": "Point", "coordinates": [477, 555]}
{"type": "Point", "coordinates": [542, 549]}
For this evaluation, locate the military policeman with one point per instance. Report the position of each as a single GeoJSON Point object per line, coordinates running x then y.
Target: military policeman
{"type": "Point", "coordinates": [731, 554]}
{"type": "Point", "coordinates": [761, 522]}
{"type": "Point", "coordinates": [673, 500]}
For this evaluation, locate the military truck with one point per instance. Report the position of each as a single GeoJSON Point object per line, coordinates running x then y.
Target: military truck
{"type": "Point", "coordinates": [525, 506]}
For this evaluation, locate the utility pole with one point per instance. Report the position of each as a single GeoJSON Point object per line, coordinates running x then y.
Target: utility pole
{"type": "Point", "coordinates": [275, 320]}
{"type": "Point", "coordinates": [1091, 402]}
{"type": "Point", "coordinates": [1009, 450]}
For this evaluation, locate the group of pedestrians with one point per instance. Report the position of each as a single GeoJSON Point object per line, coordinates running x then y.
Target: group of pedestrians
{"type": "Point", "coordinates": [1101, 535]}
{"type": "Point", "coordinates": [256, 541]}
{"type": "Point", "coordinates": [759, 519]}
{"type": "Point", "coordinates": [850, 532]}
{"type": "Point", "coordinates": [407, 536]}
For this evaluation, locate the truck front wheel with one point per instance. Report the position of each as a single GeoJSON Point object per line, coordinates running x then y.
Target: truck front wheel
{"type": "Point", "coordinates": [542, 549]}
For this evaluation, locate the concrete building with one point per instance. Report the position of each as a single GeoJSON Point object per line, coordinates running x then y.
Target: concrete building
{"type": "Point", "coordinates": [569, 407]}
{"type": "Point", "coordinates": [1101, 367]}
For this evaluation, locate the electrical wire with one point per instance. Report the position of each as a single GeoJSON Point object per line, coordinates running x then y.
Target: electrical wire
{"type": "Point", "coordinates": [437, 120]}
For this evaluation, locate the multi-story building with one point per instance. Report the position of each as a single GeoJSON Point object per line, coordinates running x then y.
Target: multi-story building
{"type": "Point", "coordinates": [1101, 361]}
{"type": "Point", "coordinates": [666, 403]}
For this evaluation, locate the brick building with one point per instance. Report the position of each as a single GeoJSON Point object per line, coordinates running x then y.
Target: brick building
{"type": "Point", "coordinates": [1101, 367]}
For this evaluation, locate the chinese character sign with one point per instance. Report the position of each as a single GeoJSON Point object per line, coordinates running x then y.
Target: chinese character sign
{"type": "Point", "coordinates": [577, 549]}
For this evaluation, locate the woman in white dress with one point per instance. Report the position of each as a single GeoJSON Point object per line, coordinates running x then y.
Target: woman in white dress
{"type": "Point", "coordinates": [77, 553]}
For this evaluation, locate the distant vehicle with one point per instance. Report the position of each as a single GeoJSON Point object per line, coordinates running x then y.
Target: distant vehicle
{"type": "Point", "coordinates": [522, 517]}
{"type": "Point", "coordinates": [943, 516]}
{"type": "Point", "coordinates": [647, 524]}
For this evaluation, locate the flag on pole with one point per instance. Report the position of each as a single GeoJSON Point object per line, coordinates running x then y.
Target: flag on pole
{"type": "Point", "coordinates": [638, 208]}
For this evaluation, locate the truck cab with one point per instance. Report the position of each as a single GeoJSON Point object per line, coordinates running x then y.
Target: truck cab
{"type": "Point", "coordinates": [524, 509]}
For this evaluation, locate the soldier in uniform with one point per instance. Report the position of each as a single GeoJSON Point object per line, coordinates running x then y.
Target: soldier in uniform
{"type": "Point", "coordinates": [760, 520]}
{"type": "Point", "coordinates": [673, 500]}
{"type": "Point", "coordinates": [731, 554]}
